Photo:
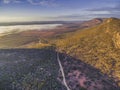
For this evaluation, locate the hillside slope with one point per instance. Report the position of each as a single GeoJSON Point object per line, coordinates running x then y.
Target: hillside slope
{"type": "Point", "coordinates": [90, 58]}
{"type": "Point", "coordinates": [98, 46]}
{"type": "Point", "coordinates": [38, 69]}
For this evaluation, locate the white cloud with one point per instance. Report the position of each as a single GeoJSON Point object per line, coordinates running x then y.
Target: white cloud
{"type": "Point", "coordinates": [33, 2]}
{"type": "Point", "coordinates": [6, 1]}
{"type": "Point", "coordinates": [11, 1]}
{"type": "Point", "coordinates": [43, 2]}
{"type": "Point", "coordinates": [19, 28]}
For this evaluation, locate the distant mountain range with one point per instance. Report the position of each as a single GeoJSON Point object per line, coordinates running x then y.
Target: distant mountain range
{"type": "Point", "coordinates": [18, 39]}
{"type": "Point", "coordinates": [36, 23]}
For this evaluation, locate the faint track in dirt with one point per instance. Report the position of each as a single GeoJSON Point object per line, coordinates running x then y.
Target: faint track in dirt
{"type": "Point", "coordinates": [62, 71]}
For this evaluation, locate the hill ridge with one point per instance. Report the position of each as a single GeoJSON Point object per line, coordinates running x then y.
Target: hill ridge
{"type": "Point", "coordinates": [98, 46]}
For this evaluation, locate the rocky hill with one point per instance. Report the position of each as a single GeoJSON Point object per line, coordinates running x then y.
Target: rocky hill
{"type": "Point", "coordinates": [98, 46]}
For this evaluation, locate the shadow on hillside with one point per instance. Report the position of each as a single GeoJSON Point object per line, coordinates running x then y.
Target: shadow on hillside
{"type": "Point", "coordinates": [80, 74]}
{"type": "Point", "coordinates": [29, 69]}
{"type": "Point", "coordinates": [38, 69]}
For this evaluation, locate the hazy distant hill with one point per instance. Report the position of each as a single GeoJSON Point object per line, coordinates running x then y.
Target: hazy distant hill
{"type": "Point", "coordinates": [34, 23]}
{"type": "Point", "coordinates": [18, 38]}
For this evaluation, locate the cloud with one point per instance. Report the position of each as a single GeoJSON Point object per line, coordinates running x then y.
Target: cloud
{"type": "Point", "coordinates": [89, 14]}
{"type": "Point", "coordinates": [110, 8]}
{"type": "Point", "coordinates": [33, 2]}
{"type": "Point", "coordinates": [70, 17]}
{"type": "Point", "coordinates": [19, 28]}
{"type": "Point", "coordinates": [111, 11]}
{"type": "Point", "coordinates": [6, 1]}
{"type": "Point", "coordinates": [11, 1]}
{"type": "Point", "coordinates": [43, 2]}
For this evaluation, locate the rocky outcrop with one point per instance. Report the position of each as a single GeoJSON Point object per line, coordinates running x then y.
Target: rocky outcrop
{"type": "Point", "coordinates": [116, 39]}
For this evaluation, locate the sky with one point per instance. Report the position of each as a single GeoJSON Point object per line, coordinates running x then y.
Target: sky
{"type": "Point", "coordinates": [57, 10]}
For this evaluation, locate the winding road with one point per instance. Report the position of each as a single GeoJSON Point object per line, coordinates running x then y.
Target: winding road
{"type": "Point", "coordinates": [62, 71]}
